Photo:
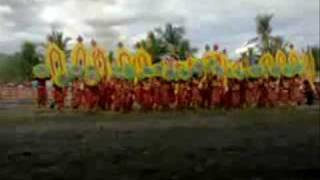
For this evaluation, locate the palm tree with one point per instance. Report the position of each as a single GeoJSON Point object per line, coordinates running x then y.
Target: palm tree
{"type": "Point", "coordinates": [278, 42]}
{"type": "Point", "coordinates": [155, 46]}
{"type": "Point", "coordinates": [173, 37]}
{"type": "Point", "coordinates": [264, 30]}
{"type": "Point", "coordinates": [61, 41]}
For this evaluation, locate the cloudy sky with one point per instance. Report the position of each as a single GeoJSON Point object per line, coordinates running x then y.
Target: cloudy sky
{"type": "Point", "coordinates": [229, 22]}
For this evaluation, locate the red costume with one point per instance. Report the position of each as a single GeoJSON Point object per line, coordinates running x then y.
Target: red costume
{"type": "Point", "coordinates": [117, 101]}
{"type": "Point", "coordinates": [59, 94]}
{"type": "Point", "coordinates": [272, 93]}
{"type": "Point", "coordinates": [77, 94]}
{"type": "Point", "coordinates": [92, 96]}
{"type": "Point", "coordinates": [147, 99]}
{"type": "Point", "coordinates": [296, 92]}
{"type": "Point", "coordinates": [182, 96]}
{"type": "Point", "coordinates": [284, 93]}
{"type": "Point", "coordinates": [128, 97]}
{"type": "Point", "coordinates": [156, 93]}
{"type": "Point", "coordinates": [250, 93]}
{"type": "Point", "coordinates": [42, 92]}
{"type": "Point", "coordinates": [195, 95]}
{"type": "Point", "coordinates": [217, 93]}
{"type": "Point", "coordinates": [205, 95]}
{"type": "Point", "coordinates": [165, 95]}
{"type": "Point", "coordinates": [232, 98]}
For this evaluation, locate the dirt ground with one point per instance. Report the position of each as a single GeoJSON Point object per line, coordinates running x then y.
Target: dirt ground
{"type": "Point", "coordinates": [247, 144]}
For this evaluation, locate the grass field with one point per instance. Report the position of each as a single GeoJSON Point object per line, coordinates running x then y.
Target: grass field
{"type": "Point", "coordinates": [247, 144]}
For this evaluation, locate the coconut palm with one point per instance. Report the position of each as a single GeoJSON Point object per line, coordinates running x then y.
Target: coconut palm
{"type": "Point", "coordinates": [61, 41]}
{"type": "Point", "coordinates": [264, 30]}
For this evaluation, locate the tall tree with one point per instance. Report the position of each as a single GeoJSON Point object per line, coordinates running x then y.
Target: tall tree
{"type": "Point", "coordinates": [264, 30]}
{"type": "Point", "coordinates": [169, 40]}
{"type": "Point", "coordinates": [155, 46]}
{"type": "Point", "coordinates": [176, 43]}
{"type": "Point", "coordinates": [316, 54]}
{"type": "Point", "coordinates": [29, 58]}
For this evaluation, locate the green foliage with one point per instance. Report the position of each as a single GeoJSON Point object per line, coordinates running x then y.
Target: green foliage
{"type": "Point", "coordinates": [29, 58]}
{"type": "Point", "coordinates": [316, 54]}
{"type": "Point", "coordinates": [10, 68]}
{"type": "Point", "coordinates": [168, 40]}
{"type": "Point", "coordinates": [264, 30]}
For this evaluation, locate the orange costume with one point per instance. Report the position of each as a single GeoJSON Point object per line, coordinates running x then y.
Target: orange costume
{"type": "Point", "coordinates": [195, 95]}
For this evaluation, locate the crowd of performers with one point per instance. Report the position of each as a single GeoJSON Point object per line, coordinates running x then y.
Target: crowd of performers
{"type": "Point", "coordinates": [224, 84]}
{"type": "Point", "coordinates": [159, 94]}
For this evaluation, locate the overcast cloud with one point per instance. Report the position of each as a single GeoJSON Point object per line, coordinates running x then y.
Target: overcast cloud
{"type": "Point", "coordinates": [229, 22]}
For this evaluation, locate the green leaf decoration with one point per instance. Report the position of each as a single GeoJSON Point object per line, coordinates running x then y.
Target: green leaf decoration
{"type": "Point", "coordinates": [275, 72]}
{"type": "Point", "coordinates": [148, 72]}
{"type": "Point", "coordinates": [288, 71]}
{"type": "Point", "coordinates": [171, 75]}
{"type": "Point", "coordinates": [298, 69]}
{"type": "Point", "coordinates": [256, 71]}
{"type": "Point", "coordinates": [92, 76]}
{"type": "Point", "coordinates": [184, 74]}
{"type": "Point", "coordinates": [158, 69]}
{"type": "Point", "coordinates": [41, 71]}
{"type": "Point", "coordinates": [239, 74]}
{"type": "Point", "coordinates": [219, 71]}
{"type": "Point", "coordinates": [117, 71]}
{"type": "Point", "coordinates": [198, 68]}
{"type": "Point", "coordinates": [129, 72]}
{"type": "Point", "coordinates": [75, 71]}
{"type": "Point", "coordinates": [61, 80]}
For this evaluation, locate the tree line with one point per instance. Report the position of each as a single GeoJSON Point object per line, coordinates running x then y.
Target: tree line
{"type": "Point", "coordinates": [168, 40]}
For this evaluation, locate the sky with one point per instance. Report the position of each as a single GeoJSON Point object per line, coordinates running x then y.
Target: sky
{"type": "Point", "coordinates": [230, 23]}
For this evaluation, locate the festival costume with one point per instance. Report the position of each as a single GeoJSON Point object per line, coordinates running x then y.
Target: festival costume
{"type": "Point", "coordinates": [235, 99]}
{"type": "Point", "coordinates": [195, 95]}
{"type": "Point", "coordinates": [42, 92]}
{"type": "Point", "coordinates": [217, 93]}
{"type": "Point", "coordinates": [77, 94]}
{"type": "Point", "coordinates": [147, 99]}
{"type": "Point", "coordinates": [165, 95]}
{"type": "Point", "coordinates": [272, 93]}
{"type": "Point", "coordinates": [284, 92]}
{"type": "Point", "coordinates": [59, 93]}
{"type": "Point", "coordinates": [296, 93]}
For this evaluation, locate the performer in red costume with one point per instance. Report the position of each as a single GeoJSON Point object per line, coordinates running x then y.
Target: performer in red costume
{"type": "Point", "coordinates": [217, 92]}
{"type": "Point", "coordinates": [195, 94]}
{"type": "Point", "coordinates": [59, 93]}
{"type": "Point", "coordinates": [272, 92]}
{"type": "Point", "coordinates": [296, 91]}
{"type": "Point", "coordinates": [165, 95]}
{"type": "Point", "coordinates": [77, 94]}
{"type": "Point", "coordinates": [284, 91]}
{"type": "Point", "coordinates": [42, 98]}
